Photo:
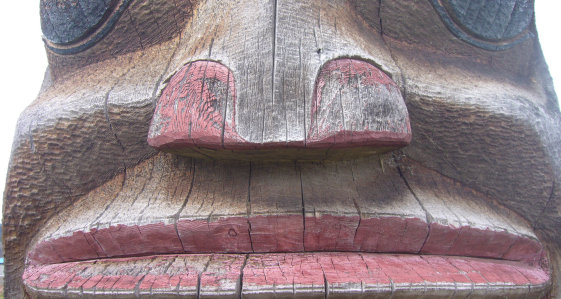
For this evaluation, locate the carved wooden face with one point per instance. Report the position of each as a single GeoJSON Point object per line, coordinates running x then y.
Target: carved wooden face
{"type": "Point", "coordinates": [261, 148]}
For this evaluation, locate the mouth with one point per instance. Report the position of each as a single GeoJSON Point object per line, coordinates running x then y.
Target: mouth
{"type": "Point", "coordinates": [175, 225]}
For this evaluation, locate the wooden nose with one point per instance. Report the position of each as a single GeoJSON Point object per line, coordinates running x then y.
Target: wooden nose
{"type": "Point", "coordinates": [355, 110]}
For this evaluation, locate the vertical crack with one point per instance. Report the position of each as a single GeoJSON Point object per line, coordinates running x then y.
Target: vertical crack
{"type": "Point", "coordinates": [176, 215]}
{"type": "Point", "coordinates": [303, 86]}
{"type": "Point", "coordinates": [199, 276]}
{"type": "Point", "coordinates": [248, 207]}
{"type": "Point", "coordinates": [106, 113]}
{"type": "Point", "coordinates": [275, 24]}
{"type": "Point", "coordinates": [31, 142]}
{"type": "Point", "coordinates": [325, 285]}
{"type": "Point", "coordinates": [199, 285]}
{"type": "Point", "coordinates": [248, 204]}
{"type": "Point", "coordinates": [540, 215]}
{"type": "Point", "coordinates": [284, 108]}
{"type": "Point", "coordinates": [357, 207]}
{"type": "Point", "coordinates": [274, 47]}
{"type": "Point", "coordinates": [240, 283]}
{"type": "Point", "coordinates": [108, 119]}
{"type": "Point", "coordinates": [429, 217]}
{"type": "Point", "coordinates": [99, 244]}
{"type": "Point", "coordinates": [380, 17]}
{"type": "Point", "coordinates": [160, 79]}
{"type": "Point", "coordinates": [402, 84]}
{"type": "Point", "coordinates": [135, 29]}
{"type": "Point", "coordinates": [137, 287]}
{"type": "Point", "coordinates": [81, 288]}
{"type": "Point", "coordinates": [427, 214]}
{"type": "Point", "coordinates": [225, 115]}
{"type": "Point", "coordinates": [303, 210]}
{"type": "Point", "coordinates": [111, 203]}
{"type": "Point", "coordinates": [150, 176]}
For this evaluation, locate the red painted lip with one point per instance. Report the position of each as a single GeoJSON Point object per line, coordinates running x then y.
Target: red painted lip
{"type": "Point", "coordinates": [262, 234]}
{"type": "Point", "coordinates": [289, 274]}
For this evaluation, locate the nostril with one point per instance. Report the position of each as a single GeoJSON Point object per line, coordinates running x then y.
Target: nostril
{"type": "Point", "coordinates": [356, 104]}
{"type": "Point", "coordinates": [194, 107]}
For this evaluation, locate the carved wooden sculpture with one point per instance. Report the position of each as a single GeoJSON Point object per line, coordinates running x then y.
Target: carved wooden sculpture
{"type": "Point", "coordinates": [287, 148]}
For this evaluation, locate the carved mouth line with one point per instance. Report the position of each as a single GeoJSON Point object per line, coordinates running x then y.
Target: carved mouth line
{"type": "Point", "coordinates": [289, 274]}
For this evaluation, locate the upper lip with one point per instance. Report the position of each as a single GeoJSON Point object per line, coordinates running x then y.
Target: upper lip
{"type": "Point", "coordinates": [241, 207]}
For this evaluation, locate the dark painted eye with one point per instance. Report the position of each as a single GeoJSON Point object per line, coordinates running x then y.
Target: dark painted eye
{"type": "Point", "coordinates": [71, 26]}
{"type": "Point", "coordinates": [488, 24]}
{"type": "Point", "coordinates": [65, 21]}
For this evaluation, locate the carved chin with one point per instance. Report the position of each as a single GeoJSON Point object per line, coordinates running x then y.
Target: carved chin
{"type": "Point", "coordinates": [177, 226]}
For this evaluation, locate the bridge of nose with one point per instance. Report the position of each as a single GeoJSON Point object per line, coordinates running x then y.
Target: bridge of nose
{"type": "Point", "coordinates": [277, 78]}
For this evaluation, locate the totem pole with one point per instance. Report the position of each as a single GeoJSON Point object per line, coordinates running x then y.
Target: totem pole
{"type": "Point", "coordinates": [287, 148]}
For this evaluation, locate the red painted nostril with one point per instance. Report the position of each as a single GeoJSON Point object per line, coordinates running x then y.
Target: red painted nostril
{"type": "Point", "coordinates": [356, 104]}
{"type": "Point", "coordinates": [196, 108]}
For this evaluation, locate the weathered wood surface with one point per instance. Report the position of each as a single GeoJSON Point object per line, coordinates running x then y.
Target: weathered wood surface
{"type": "Point", "coordinates": [275, 207]}
{"type": "Point", "coordinates": [214, 217]}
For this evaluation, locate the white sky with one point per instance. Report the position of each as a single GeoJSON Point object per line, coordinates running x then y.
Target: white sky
{"type": "Point", "coordinates": [23, 61]}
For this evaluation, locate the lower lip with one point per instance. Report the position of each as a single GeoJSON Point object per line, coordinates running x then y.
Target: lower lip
{"type": "Point", "coordinates": [289, 274]}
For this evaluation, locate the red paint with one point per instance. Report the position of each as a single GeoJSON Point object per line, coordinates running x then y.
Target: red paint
{"type": "Point", "coordinates": [390, 234]}
{"type": "Point", "coordinates": [352, 75]}
{"type": "Point", "coordinates": [282, 233]}
{"type": "Point", "coordinates": [469, 241]}
{"type": "Point", "coordinates": [188, 283]}
{"type": "Point", "coordinates": [229, 234]}
{"type": "Point", "coordinates": [191, 110]}
{"type": "Point", "coordinates": [498, 272]}
{"type": "Point", "coordinates": [74, 247]}
{"type": "Point", "coordinates": [440, 239]}
{"type": "Point", "coordinates": [222, 275]}
{"type": "Point", "coordinates": [287, 233]}
{"type": "Point", "coordinates": [92, 282]}
{"type": "Point", "coordinates": [445, 268]}
{"type": "Point", "coordinates": [126, 282]}
{"type": "Point", "coordinates": [330, 233]}
{"type": "Point", "coordinates": [481, 243]}
{"type": "Point", "coordinates": [147, 282]}
{"type": "Point", "coordinates": [406, 273]}
{"type": "Point", "coordinates": [278, 273]}
{"type": "Point", "coordinates": [123, 240]}
{"type": "Point", "coordinates": [525, 249]}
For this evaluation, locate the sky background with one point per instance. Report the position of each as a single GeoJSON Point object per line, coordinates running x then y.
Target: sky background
{"type": "Point", "coordinates": [23, 61]}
